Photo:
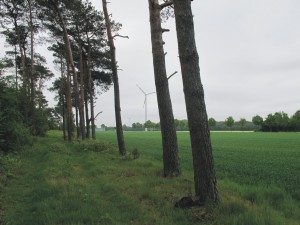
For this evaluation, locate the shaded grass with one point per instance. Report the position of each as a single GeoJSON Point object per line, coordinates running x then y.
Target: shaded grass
{"type": "Point", "coordinates": [89, 183]}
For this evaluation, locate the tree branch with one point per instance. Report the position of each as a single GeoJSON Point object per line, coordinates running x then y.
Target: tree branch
{"type": "Point", "coordinates": [166, 4]}
{"type": "Point", "coordinates": [118, 35]}
{"type": "Point", "coordinates": [165, 30]}
{"type": "Point", "coordinates": [172, 75]}
{"type": "Point", "coordinates": [95, 116]}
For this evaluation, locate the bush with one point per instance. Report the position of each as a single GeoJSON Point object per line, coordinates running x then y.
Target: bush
{"type": "Point", "coordinates": [16, 136]}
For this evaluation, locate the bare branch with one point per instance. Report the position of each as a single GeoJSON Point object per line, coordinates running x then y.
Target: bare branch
{"type": "Point", "coordinates": [118, 35]}
{"type": "Point", "coordinates": [166, 4]}
{"type": "Point", "coordinates": [95, 116]}
{"type": "Point", "coordinates": [165, 30]}
{"type": "Point", "coordinates": [172, 75]}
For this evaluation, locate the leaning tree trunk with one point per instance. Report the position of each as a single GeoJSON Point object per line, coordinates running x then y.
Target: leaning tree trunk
{"type": "Point", "coordinates": [168, 130]}
{"type": "Point", "coordinates": [121, 142]}
{"type": "Point", "coordinates": [70, 58]}
{"type": "Point", "coordinates": [204, 172]}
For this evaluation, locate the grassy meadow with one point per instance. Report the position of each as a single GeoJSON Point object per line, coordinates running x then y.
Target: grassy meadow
{"type": "Point", "coordinates": [53, 183]}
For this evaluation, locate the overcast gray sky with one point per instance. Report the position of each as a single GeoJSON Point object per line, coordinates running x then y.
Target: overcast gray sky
{"type": "Point", "coordinates": [249, 59]}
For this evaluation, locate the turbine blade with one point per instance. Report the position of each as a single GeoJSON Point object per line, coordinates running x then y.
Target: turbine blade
{"type": "Point", "coordinates": [141, 89]}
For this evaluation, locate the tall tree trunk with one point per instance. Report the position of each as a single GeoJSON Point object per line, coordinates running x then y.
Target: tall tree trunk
{"type": "Point", "coordinates": [23, 68]}
{"type": "Point", "coordinates": [16, 68]}
{"type": "Point", "coordinates": [81, 92]}
{"type": "Point", "coordinates": [86, 100]}
{"type": "Point", "coordinates": [168, 129]}
{"type": "Point", "coordinates": [87, 121]}
{"type": "Point", "coordinates": [63, 94]}
{"type": "Point", "coordinates": [93, 112]}
{"type": "Point", "coordinates": [69, 104]}
{"type": "Point", "coordinates": [81, 99]}
{"type": "Point", "coordinates": [77, 122]}
{"type": "Point", "coordinates": [204, 172]}
{"type": "Point", "coordinates": [32, 79]}
{"type": "Point", "coordinates": [120, 136]}
{"type": "Point", "coordinates": [70, 57]}
{"type": "Point", "coordinates": [63, 116]}
{"type": "Point", "coordinates": [91, 91]}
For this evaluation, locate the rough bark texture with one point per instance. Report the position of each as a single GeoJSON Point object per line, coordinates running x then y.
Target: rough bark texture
{"type": "Point", "coordinates": [204, 172]}
{"type": "Point", "coordinates": [120, 136]}
{"type": "Point", "coordinates": [168, 130]}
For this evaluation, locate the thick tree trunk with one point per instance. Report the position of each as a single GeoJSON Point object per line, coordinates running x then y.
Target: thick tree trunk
{"type": "Point", "coordinates": [120, 135]}
{"type": "Point", "coordinates": [168, 130]}
{"type": "Point", "coordinates": [204, 172]}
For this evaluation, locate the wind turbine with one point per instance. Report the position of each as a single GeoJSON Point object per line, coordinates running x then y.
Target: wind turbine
{"type": "Point", "coordinates": [145, 102]}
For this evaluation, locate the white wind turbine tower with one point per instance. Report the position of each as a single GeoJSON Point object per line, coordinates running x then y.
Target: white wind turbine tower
{"type": "Point", "coordinates": [145, 102]}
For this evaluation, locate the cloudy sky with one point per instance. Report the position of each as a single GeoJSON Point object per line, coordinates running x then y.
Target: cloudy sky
{"type": "Point", "coordinates": [249, 59]}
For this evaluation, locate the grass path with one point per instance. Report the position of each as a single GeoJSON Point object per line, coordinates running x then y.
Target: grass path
{"type": "Point", "coordinates": [53, 183]}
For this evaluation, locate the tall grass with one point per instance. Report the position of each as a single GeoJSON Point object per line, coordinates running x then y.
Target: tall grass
{"type": "Point", "coordinates": [89, 183]}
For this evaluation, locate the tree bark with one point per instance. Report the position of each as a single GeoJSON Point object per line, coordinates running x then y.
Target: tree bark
{"type": "Point", "coordinates": [119, 127]}
{"type": "Point", "coordinates": [91, 91]}
{"type": "Point", "coordinates": [69, 104]}
{"type": "Point", "coordinates": [81, 99]}
{"type": "Point", "coordinates": [62, 94]}
{"type": "Point", "coordinates": [168, 130]}
{"type": "Point", "coordinates": [70, 58]}
{"type": "Point", "coordinates": [204, 172]}
{"type": "Point", "coordinates": [86, 99]}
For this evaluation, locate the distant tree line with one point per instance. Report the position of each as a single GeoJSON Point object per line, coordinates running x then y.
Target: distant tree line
{"type": "Point", "coordinates": [278, 121]}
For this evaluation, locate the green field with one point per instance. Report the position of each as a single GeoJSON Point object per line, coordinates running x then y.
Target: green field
{"type": "Point", "coordinates": [250, 158]}
{"type": "Point", "coordinates": [89, 183]}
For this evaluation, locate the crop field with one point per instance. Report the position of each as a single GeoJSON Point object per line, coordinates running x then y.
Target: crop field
{"type": "Point", "coordinates": [52, 182]}
{"type": "Point", "coordinates": [263, 168]}
{"type": "Point", "coordinates": [250, 158]}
